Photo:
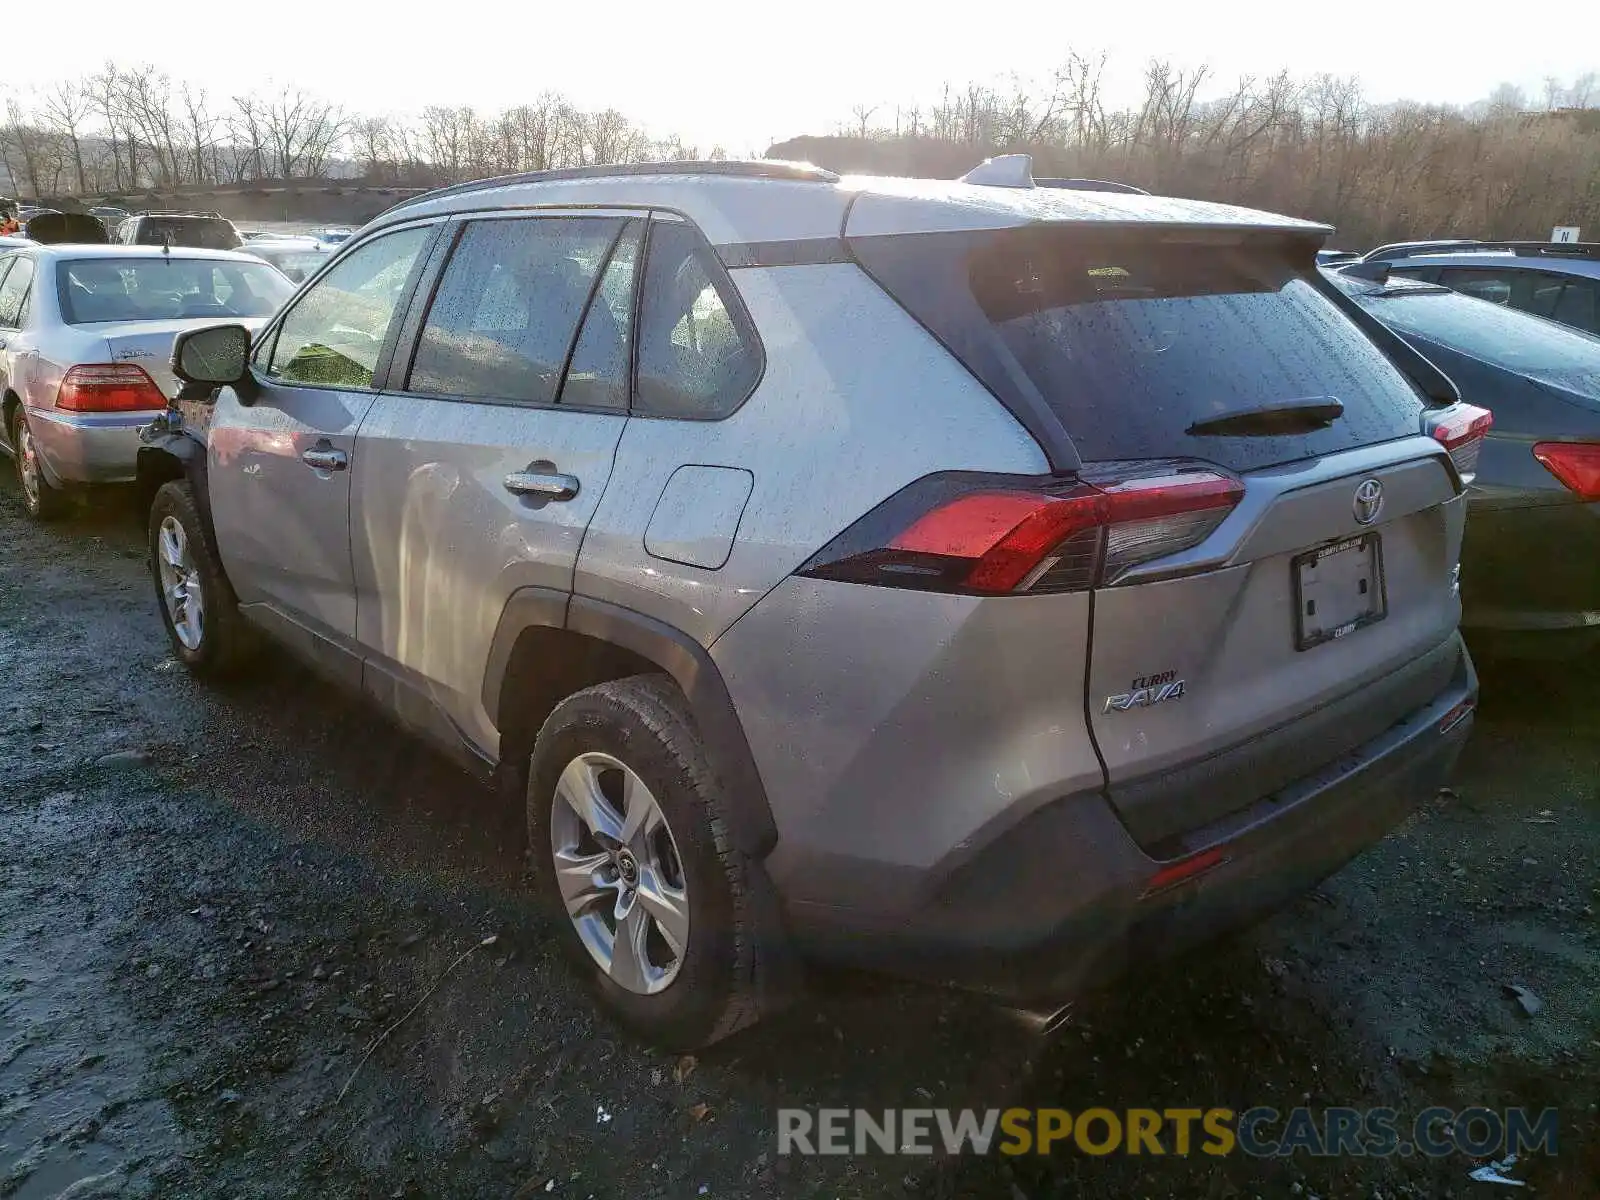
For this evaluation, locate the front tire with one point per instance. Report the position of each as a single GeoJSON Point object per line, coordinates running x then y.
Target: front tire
{"type": "Point", "coordinates": [201, 613]}
{"type": "Point", "coordinates": [632, 859]}
{"type": "Point", "coordinates": [43, 502]}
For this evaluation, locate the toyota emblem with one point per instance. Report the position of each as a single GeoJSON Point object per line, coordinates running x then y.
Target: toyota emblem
{"type": "Point", "coordinates": [1369, 501]}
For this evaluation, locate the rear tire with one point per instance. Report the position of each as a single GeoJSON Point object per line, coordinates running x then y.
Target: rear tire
{"type": "Point", "coordinates": [201, 613]}
{"type": "Point", "coordinates": [628, 750]}
{"type": "Point", "coordinates": [43, 502]}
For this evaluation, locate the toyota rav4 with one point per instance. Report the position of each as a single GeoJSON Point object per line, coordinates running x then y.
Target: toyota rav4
{"type": "Point", "coordinates": [991, 583]}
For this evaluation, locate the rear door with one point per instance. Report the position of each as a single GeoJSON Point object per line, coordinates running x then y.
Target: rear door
{"type": "Point", "coordinates": [477, 474]}
{"type": "Point", "coordinates": [1320, 607]}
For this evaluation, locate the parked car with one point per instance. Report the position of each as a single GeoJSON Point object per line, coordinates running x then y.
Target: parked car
{"type": "Point", "coordinates": [54, 228]}
{"type": "Point", "coordinates": [85, 341]}
{"type": "Point", "coordinates": [1530, 568]}
{"type": "Point", "coordinates": [333, 235]}
{"type": "Point", "coordinates": [109, 215]}
{"type": "Point", "coordinates": [1559, 280]}
{"type": "Point", "coordinates": [195, 230]}
{"type": "Point", "coordinates": [297, 258]}
{"type": "Point", "coordinates": [748, 523]}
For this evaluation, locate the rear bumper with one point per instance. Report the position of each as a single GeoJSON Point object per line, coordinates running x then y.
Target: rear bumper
{"type": "Point", "coordinates": [1062, 901]}
{"type": "Point", "coordinates": [78, 448]}
{"type": "Point", "coordinates": [1531, 574]}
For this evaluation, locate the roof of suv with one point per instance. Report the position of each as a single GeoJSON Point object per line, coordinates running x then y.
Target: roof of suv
{"type": "Point", "coordinates": [735, 203]}
{"type": "Point", "coordinates": [1565, 258]}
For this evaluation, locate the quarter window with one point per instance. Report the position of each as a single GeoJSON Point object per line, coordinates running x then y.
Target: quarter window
{"type": "Point", "coordinates": [333, 335]}
{"type": "Point", "coordinates": [14, 293]}
{"type": "Point", "coordinates": [507, 309]}
{"type": "Point", "coordinates": [697, 355]}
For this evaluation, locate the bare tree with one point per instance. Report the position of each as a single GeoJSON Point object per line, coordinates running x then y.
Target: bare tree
{"type": "Point", "coordinates": [65, 108]}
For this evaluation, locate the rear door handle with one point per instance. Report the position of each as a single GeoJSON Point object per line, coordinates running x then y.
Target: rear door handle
{"type": "Point", "coordinates": [545, 485]}
{"type": "Point", "coordinates": [326, 460]}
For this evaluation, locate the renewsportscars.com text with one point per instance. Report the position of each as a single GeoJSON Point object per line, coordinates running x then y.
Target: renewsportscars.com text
{"type": "Point", "coordinates": [1259, 1132]}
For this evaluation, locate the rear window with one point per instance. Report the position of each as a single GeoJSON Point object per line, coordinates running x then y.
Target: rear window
{"type": "Point", "coordinates": [164, 289]}
{"type": "Point", "coordinates": [203, 233]}
{"type": "Point", "coordinates": [1502, 336]}
{"type": "Point", "coordinates": [1132, 338]}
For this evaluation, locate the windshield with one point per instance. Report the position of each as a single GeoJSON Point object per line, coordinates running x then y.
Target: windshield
{"type": "Point", "coordinates": [1502, 336]}
{"type": "Point", "coordinates": [164, 289]}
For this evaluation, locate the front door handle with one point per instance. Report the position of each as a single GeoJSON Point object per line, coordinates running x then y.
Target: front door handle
{"type": "Point", "coordinates": [543, 485]}
{"type": "Point", "coordinates": [324, 459]}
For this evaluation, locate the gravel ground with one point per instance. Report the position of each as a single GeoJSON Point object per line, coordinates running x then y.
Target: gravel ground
{"type": "Point", "coordinates": [213, 901]}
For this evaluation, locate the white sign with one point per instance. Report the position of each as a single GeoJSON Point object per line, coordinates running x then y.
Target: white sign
{"type": "Point", "coordinates": [1564, 233]}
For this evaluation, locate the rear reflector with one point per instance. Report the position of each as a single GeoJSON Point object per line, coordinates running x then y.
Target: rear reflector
{"type": "Point", "coordinates": [1184, 869]}
{"type": "Point", "coordinates": [109, 387]}
{"type": "Point", "coordinates": [992, 536]}
{"type": "Point", "coordinates": [1460, 429]}
{"type": "Point", "coordinates": [1576, 464]}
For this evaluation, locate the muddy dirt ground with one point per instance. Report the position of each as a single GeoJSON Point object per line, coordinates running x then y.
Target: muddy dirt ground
{"type": "Point", "coordinates": [211, 901]}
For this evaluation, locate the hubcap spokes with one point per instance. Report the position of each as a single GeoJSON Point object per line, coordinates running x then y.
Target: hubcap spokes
{"type": "Point", "coordinates": [181, 590]}
{"type": "Point", "coordinates": [27, 464]}
{"type": "Point", "coordinates": [619, 873]}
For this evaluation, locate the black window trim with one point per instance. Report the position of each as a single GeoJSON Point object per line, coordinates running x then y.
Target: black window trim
{"type": "Point", "coordinates": [380, 370]}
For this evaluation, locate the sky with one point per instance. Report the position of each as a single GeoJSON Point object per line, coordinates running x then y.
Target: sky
{"type": "Point", "coordinates": [743, 74]}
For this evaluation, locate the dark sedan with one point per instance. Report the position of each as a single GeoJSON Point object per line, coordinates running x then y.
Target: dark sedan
{"type": "Point", "coordinates": [1530, 566]}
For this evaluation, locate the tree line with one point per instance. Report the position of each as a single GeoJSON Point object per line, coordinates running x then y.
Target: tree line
{"type": "Point", "coordinates": [1512, 165]}
{"type": "Point", "coordinates": [130, 129]}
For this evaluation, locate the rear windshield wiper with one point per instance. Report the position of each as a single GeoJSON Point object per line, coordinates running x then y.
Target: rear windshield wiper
{"type": "Point", "coordinates": [1267, 420]}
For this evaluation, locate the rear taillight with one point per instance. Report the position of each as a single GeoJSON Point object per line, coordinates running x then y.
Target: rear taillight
{"type": "Point", "coordinates": [1576, 464]}
{"type": "Point", "coordinates": [1460, 429]}
{"type": "Point", "coordinates": [109, 387]}
{"type": "Point", "coordinates": [960, 533]}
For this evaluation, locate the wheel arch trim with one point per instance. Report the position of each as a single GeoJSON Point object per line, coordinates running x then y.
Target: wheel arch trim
{"type": "Point", "coordinates": [685, 660]}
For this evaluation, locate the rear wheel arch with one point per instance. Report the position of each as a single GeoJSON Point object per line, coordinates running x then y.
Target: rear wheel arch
{"type": "Point", "coordinates": [549, 646]}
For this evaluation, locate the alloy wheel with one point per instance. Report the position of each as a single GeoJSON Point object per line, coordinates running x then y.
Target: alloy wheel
{"type": "Point", "coordinates": [27, 465]}
{"type": "Point", "coordinates": [181, 590]}
{"type": "Point", "coordinates": [619, 873]}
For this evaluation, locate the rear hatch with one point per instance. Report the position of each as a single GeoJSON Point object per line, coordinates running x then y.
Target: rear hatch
{"type": "Point", "coordinates": [1273, 561]}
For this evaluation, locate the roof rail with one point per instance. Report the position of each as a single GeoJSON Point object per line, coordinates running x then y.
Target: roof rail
{"type": "Point", "coordinates": [1092, 185]}
{"type": "Point", "coordinates": [179, 212]}
{"type": "Point", "coordinates": [760, 168]}
{"type": "Point", "coordinates": [1469, 245]}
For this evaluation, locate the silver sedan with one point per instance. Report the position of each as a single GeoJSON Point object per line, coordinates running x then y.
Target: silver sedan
{"type": "Point", "coordinates": [85, 338]}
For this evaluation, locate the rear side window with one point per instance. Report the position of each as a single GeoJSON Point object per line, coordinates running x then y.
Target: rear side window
{"type": "Point", "coordinates": [507, 307]}
{"type": "Point", "coordinates": [14, 293]}
{"type": "Point", "coordinates": [1132, 338]}
{"type": "Point", "coordinates": [698, 356]}
{"type": "Point", "coordinates": [598, 375]}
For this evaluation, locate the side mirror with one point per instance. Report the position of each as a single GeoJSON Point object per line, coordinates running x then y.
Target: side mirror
{"type": "Point", "coordinates": [217, 356]}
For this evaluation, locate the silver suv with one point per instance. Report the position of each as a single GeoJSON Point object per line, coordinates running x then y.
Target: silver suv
{"type": "Point", "coordinates": [993, 584]}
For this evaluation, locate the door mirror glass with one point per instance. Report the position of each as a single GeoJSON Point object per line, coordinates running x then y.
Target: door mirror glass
{"type": "Point", "coordinates": [214, 357]}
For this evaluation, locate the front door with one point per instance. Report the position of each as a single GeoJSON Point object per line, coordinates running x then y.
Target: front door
{"type": "Point", "coordinates": [478, 474]}
{"type": "Point", "coordinates": [279, 466]}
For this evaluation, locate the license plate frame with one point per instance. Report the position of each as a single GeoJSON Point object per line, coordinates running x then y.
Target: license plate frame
{"type": "Point", "coordinates": [1329, 578]}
